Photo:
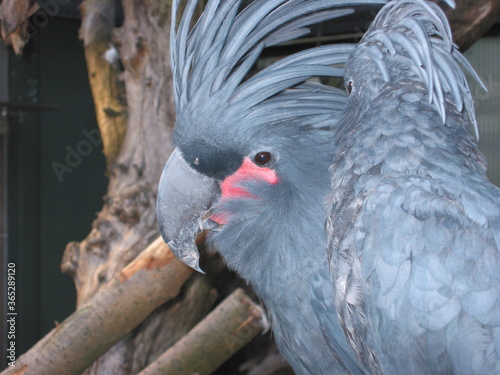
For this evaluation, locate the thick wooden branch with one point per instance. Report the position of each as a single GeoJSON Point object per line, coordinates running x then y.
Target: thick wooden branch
{"type": "Point", "coordinates": [103, 65]}
{"type": "Point", "coordinates": [153, 278]}
{"type": "Point", "coordinates": [234, 323]}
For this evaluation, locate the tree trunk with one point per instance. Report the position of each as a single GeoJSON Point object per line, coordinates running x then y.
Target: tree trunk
{"type": "Point", "coordinates": [127, 222]}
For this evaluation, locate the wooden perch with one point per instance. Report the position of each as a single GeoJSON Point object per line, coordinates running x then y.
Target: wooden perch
{"type": "Point", "coordinates": [234, 323]}
{"type": "Point", "coordinates": [153, 278]}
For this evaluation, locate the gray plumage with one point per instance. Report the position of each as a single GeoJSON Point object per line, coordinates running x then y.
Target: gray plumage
{"type": "Point", "coordinates": [414, 223]}
{"type": "Point", "coordinates": [221, 113]}
{"type": "Point", "coordinates": [385, 261]}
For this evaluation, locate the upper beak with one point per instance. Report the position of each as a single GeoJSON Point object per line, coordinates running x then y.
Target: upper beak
{"type": "Point", "coordinates": [184, 197]}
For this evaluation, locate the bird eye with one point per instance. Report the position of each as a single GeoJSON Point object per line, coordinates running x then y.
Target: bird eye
{"type": "Point", "coordinates": [262, 158]}
{"type": "Point", "coordinates": [349, 88]}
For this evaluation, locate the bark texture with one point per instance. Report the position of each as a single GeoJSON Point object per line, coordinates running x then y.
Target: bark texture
{"type": "Point", "coordinates": [104, 70]}
{"type": "Point", "coordinates": [127, 221]}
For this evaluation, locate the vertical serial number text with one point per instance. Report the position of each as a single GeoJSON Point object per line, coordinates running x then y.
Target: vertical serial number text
{"type": "Point", "coordinates": [11, 314]}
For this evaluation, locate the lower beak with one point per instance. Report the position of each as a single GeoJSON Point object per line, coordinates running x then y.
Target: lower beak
{"type": "Point", "coordinates": [184, 197]}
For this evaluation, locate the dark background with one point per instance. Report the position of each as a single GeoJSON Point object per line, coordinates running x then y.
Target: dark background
{"type": "Point", "coordinates": [43, 211]}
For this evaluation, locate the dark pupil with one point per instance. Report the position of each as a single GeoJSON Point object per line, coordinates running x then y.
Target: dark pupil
{"type": "Point", "coordinates": [262, 158]}
{"type": "Point", "coordinates": [349, 87]}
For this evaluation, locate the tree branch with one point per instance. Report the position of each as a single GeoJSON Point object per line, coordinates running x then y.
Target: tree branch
{"type": "Point", "coordinates": [153, 278]}
{"type": "Point", "coordinates": [229, 327]}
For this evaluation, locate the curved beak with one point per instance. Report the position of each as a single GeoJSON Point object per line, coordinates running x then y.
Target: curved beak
{"type": "Point", "coordinates": [184, 197]}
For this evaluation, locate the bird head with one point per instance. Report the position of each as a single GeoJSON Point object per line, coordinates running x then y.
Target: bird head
{"type": "Point", "coordinates": [246, 146]}
{"type": "Point", "coordinates": [411, 41]}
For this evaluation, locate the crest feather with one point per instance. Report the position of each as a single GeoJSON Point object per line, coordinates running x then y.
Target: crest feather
{"type": "Point", "coordinates": [421, 31]}
{"type": "Point", "coordinates": [211, 60]}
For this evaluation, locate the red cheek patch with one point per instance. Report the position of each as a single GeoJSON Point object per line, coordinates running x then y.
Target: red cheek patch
{"type": "Point", "coordinates": [247, 172]}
